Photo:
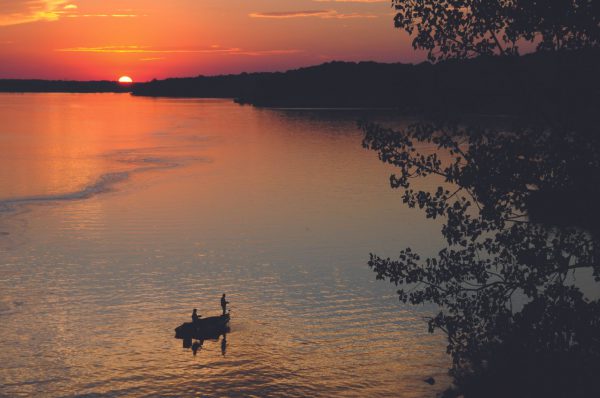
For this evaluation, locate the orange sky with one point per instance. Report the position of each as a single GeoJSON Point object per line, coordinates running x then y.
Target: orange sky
{"type": "Point", "coordinates": [145, 39]}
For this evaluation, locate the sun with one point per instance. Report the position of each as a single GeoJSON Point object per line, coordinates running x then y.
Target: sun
{"type": "Point", "coordinates": [125, 80]}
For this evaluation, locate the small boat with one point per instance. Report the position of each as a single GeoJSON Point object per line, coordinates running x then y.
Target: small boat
{"type": "Point", "coordinates": [206, 328]}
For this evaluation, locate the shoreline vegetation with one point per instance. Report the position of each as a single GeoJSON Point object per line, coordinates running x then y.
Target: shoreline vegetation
{"type": "Point", "coordinates": [61, 86]}
{"type": "Point", "coordinates": [478, 85]}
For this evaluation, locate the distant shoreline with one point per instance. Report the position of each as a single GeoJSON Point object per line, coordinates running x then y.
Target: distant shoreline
{"type": "Point", "coordinates": [478, 86]}
{"type": "Point", "coordinates": [61, 86]}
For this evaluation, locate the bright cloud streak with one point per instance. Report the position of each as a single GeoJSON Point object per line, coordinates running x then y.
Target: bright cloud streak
{"type": "Point", "coordinates": [325, 14]}
{"type": "Point", "coordinates": [148, 50]}
{"type": "Point", "coordinates": [14, 12]}
{"type": "Point", "coordinates": [102, 16]}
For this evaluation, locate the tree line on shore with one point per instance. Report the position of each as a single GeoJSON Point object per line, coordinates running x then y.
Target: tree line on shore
{"type": "Point", "coordinates": [480, 85]}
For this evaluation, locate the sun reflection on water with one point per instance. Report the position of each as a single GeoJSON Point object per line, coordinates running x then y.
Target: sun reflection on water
{"type": "Point", "coordinates": [278, 211]}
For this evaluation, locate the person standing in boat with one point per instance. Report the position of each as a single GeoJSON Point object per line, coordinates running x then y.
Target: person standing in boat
{"type": "Point", "coordinates": [195, 317]}
{"type": "Point", "coordinates": [224, 304]}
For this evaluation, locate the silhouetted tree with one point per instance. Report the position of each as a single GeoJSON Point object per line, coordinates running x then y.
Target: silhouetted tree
{"type": "Point", "coordinates": [461, 28]}
{"type": "Point", "coordinates": [506, 285]}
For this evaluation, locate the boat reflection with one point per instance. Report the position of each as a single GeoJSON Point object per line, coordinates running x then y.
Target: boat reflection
{"type": "Point", "coordinates": [197, 344]}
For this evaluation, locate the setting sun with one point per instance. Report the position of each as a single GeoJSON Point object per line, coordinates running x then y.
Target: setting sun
{"type": "Point", "coordinates": [125, 80]}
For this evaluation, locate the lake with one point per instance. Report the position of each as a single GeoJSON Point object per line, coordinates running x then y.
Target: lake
{"type": "Point", "coordinates": [120, 214]}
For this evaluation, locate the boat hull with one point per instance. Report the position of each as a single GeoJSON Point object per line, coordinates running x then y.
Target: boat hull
{"type": "Point", "coordinates": [206, 328]}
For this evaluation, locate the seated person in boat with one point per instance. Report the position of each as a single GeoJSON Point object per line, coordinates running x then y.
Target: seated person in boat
{"type": "Point", "coordinates": [195, 316]}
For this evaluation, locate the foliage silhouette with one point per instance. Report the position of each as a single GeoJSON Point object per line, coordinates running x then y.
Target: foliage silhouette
{"type": "Point", "coordinates": [463, 28]}
{"type": "Point", "coordinates": [519, 207]}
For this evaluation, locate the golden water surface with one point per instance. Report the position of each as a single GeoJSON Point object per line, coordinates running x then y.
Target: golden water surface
{"type": "Point", "coordinates": [118, 215]}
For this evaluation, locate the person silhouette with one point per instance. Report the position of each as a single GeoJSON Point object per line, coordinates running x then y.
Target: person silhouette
{"type": "Point", "coordinates": [224, 344]}
{"type": "Point", "coordinates": [197, 346]}
{"type": "Point", "coordinates": [195, 317]}
{"type": "Point", "coordinates": [224, 304]}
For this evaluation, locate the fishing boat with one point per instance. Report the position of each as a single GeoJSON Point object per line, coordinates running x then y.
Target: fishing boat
{"type": "Point", "coordinates": [206, 328]}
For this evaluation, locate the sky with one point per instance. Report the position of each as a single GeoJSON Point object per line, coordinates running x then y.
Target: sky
{"type": "Point", "coordinates": [147, 39]}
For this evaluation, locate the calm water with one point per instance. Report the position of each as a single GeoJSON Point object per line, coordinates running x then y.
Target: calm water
{"type": "Point", "coordinates": [118, 215]}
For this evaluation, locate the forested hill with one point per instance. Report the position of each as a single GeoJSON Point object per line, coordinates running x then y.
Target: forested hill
{"type": "Point", "coordinates": [494, 85]}
{"type": "Point", "coordinates": [483, 85]}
